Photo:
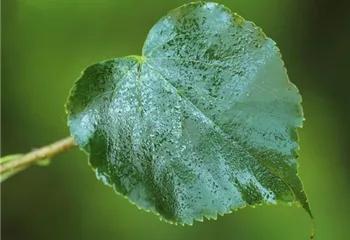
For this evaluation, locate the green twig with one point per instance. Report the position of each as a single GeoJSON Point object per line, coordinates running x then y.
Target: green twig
{"type": "Point", "coordinates": [45, 152]}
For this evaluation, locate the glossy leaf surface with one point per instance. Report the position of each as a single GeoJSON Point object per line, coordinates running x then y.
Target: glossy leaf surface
{"type": "Point", "coordinates": [204, 122]}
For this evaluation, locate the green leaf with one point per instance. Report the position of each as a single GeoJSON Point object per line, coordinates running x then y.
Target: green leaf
{"type": "Point", "coordinates": [204, 122]}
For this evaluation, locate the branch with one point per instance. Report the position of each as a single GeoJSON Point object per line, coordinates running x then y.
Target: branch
{"type": "Point", "coordinates": [39, 154]}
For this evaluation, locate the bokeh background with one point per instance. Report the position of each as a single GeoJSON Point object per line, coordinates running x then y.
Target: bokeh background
{"type": "Point", "coordinates": [47, 43]}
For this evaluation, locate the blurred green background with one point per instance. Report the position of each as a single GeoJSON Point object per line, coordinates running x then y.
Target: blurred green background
{"type": "Point", "coordinates": [47, 43]}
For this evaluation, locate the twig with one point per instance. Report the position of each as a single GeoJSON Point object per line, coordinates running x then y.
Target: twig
{"type": "Point", "coordinates": [39, 154]}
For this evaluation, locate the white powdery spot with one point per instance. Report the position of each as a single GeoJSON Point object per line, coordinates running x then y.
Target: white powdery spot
{"type": "Point", "coordinates": [82, 126]}
{"type": "Point", "coordinates": [225, 17]}
{"type": "Point", "coordinates": [100, 176]}
{"type": "Point", "coordinates": [247, 179]}
{"type": "Point", "coordinates": [210, 5]}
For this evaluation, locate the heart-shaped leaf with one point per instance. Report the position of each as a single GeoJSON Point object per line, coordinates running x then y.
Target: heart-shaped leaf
{"type": "Point", "coordinates": [204, 122]}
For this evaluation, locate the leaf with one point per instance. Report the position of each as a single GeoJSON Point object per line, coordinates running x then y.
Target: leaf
{"type": "Point", "coordinates": [204, 122]}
